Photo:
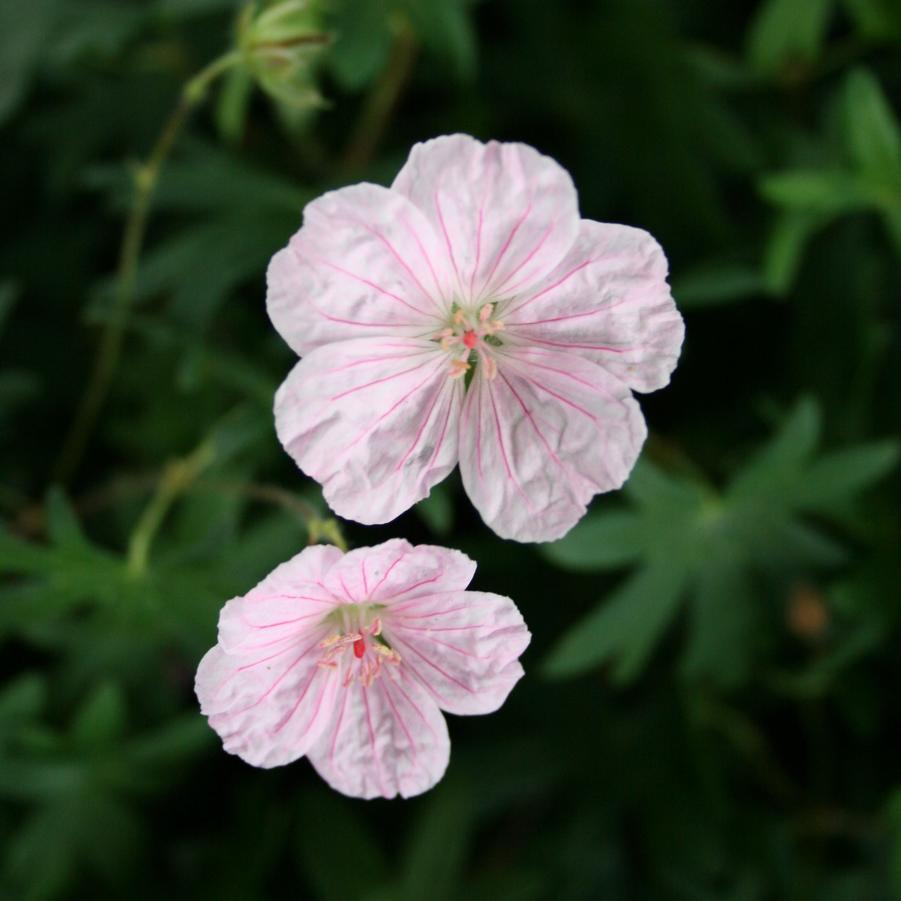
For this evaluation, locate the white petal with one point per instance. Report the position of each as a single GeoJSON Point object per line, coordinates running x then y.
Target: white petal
{"type": "Point", "coordinates": [365, 263]}
{"type": "Point", "coordinates": [462, 646]}
{"type": "Point", "coordinates": [608, 300]}
{"type": "Point", "coordinates": [388, 739]}
{"type": "Point", "coordinates": [374, 421]}
{"type": "Point", "coordinates": [506, 213]}
{"type": "Point", "coordinates": [542, 438]}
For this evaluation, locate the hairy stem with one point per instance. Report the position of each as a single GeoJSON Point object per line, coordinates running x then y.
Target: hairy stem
{"type": "Point", "coordinates": [109, 352]}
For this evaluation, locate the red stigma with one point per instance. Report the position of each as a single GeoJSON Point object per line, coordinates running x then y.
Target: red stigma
{"type": "Point", "coordinates": [470, 339]}
{"type": "Point", "coordinates": [359, 648]}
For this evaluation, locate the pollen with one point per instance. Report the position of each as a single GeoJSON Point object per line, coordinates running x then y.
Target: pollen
{"type": "Point", "coordinates": [359, 631]}
{"type": "Point", "coordinates": [470, 338]}
{"type": "Point", "coordinates": [459, 368]}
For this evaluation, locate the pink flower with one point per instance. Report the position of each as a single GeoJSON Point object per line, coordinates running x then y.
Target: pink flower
{"type": "Point", "coordinates": [349, 660]}
{"type": "Point", "coordinates": [468, 315]}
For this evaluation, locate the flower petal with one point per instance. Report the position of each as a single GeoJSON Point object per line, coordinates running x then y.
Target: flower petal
{"type": "Point", "coordinates": [365, 263]}
{"type": "Point", "coordinates": [396, 570]}
{"type": "Point", "coordinates": [386, 739]}
{"type": "Point", "coordinates": [463, 647]}
{"type": "Point", "coordinates": [291, 600]}
{"type": "Point", "coordinates": [271, 708]}
{"type": "Point", "coordinates": [506, 213]}
{"type": "Point", "coordinates": [608, 300]}
{"type": "Point", "coordinates": [374, 421]}
{"type": "Point", "coordinates": [539, 440]}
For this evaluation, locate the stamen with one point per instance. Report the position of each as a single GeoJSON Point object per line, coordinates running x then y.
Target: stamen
{"type": "Point", "coordinates": [359, 628]}
{"type": "Point", "coordinates": [459, 368]}
{"type": "Point", "coordinates": [471, 331]}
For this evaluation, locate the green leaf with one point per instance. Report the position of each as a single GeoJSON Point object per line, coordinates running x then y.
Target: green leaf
{"type": "Point", "coordinates": [201, 265]}
{"type": "Point", "coordinates": [182, 737]}
{"type": "Point", "coordinates": [21, 699]}
{"type": "Point", "coordinates": [787, 241]}
{"type": "Point", "coordinates": [329, 834]}
{"type": "Point", "coordinates": [788, 31]}
{"type": "Point", "coordinates": [778, 466]}
{"type": "Point", "coordinates": [434, 858]}
{"type": "Point", "coordinates": [18, 556]}
{"type": "Point", "coordinates": [207, 179]}
{"type": "Point", "coordinates": [101, 719]}
{"type": "Point", "coordinates": [624, 628]}
{"type": "Point", "coordinates": [878, 20]}
{"type": "Point", "coordinates": [721, 635]}
{"type": "Point", "coordinates": [819, 191]}
{"type": "Point", "coordinates": [362, 42]}
{"type": "Point", "coordinates": [446, 30]}
{"type": "Point", "coordinates": [63, 527]}
{"type": "Point", "coordinates": [838, 476]}
{"type": "Point", "coordinates": [717, 284]}
{"type": "Point", "coordinates": [599, 541]}
{"type": "Point", "coordinates": [24, 31]}
{"type": "Point", "coordinates": [872, 127]}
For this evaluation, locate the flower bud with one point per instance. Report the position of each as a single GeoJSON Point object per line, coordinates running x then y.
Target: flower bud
{"type": "Point", "coordinates": [279, 42]}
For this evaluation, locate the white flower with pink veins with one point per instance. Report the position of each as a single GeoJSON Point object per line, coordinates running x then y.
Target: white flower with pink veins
{"type": "Point", "coordinates": [468, 315]}
{"type": "Point", "coordinates": [349, 659]}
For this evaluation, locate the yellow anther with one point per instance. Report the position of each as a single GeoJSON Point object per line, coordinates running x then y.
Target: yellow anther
{"type": "Point", "coordinates": [459, 368]}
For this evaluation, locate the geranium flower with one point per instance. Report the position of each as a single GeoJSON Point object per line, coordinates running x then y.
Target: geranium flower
{"type": "Point", "coordinates": [349, 660]}
{"type": "Point", "coordinates": [468, 315]}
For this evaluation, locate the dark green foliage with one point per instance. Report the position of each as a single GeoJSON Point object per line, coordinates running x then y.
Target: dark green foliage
{"type": "Point", "coordinates": [709, 711]}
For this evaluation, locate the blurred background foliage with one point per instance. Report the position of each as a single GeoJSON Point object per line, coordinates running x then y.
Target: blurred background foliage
{"type": "Point", "coordinates": [710, 708]}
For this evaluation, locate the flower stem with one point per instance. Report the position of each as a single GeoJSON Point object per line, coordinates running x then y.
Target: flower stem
{"type": "Point", "coordinates": [382, 101]}
{"type": "Point", "coordinates": [177, 478]}
{"type": "Point", "coordinates": [146, 177]}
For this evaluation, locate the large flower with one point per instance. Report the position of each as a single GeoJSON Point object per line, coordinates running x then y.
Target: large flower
{"type": "Point", "coordinates": [347, 658]}
{"type": "Point", "coordinates": [467, 314]}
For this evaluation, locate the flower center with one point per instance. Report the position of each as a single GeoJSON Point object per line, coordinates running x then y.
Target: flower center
{"type": "Point", "coordinates": [469, 337]}
{"type": "Point", "coordinates": [357, 648]}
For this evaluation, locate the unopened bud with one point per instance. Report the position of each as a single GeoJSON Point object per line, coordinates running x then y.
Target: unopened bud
{"type": "Point", "coordinates": [279, 42]}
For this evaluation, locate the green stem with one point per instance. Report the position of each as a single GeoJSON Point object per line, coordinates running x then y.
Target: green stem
{"type": "Point", "coordinates": [383, 99]}
{"type": "Point", "coordinates": [176, 479]}
{"type": "Point", "coordinates": [145, 181]}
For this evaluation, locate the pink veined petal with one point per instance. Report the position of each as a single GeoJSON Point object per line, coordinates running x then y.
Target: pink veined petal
{"type": "Point", "coordinates": [462, 646]}
{"type": "Point", "coordinates": [268, 709]}
{"type": "Point", "coordinates": [292, 599]}
{"type": "Point", "coordinates": [374, 421]}
{"type": "Point", "coordinates": [385, 740]}
{"type": "Point", "coordinates": [547, 434]}
{"type": "Point", "coordinates": [506, 214]}
{"type": "Point", "coordinates": [366, 262]}
{"type": "Point", "coordinates": [609, 301]}
{"type": "Point", "coordinates": [396, 570]}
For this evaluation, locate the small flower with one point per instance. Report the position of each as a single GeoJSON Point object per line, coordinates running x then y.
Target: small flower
{"type": "Point", "coordinates": [349, 660]}
{"type": "Point", "coordinates": [468, 315]}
